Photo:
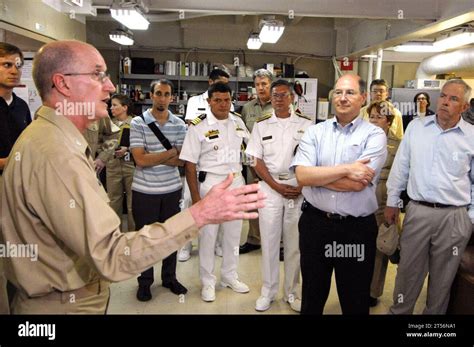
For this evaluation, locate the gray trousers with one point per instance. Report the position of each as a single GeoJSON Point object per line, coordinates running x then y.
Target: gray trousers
{"type": "Point", "coordinates": [433, 241]}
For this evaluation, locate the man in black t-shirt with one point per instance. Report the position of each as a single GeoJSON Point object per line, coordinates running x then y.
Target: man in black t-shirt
{"type": "Point", "coordinates": [14, 118]}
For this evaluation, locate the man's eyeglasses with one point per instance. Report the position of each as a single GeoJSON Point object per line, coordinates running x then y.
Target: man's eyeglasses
{"type": "Point", "coordinates": [349, 93]}
{"type": "Point", "coordinates": [101, 76]}
{"type": "Point", "coordinates": [280, 96]}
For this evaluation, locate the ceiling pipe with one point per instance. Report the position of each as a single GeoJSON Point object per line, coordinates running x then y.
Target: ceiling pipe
{"type": "Point", "coordinates": [462, 59]}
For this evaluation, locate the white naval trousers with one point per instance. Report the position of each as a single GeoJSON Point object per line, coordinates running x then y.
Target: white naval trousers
{"type": "Point", "coordinates": [230, 239]}
{"type": "Point", "coordinates": [279, 216]}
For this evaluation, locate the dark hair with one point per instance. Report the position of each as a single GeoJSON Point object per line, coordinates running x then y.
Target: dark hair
{"type": "Point", "coordinates": [471, 102]}
{"type": "Point", "coordinates": [282, 83]}
{"type": "Point", "coordinates": [427, 99]}
{"type": "Point", "coordinates": [218, 87]}
{"type": "Point", "coordinates": [383, 108]}
{"type": "Point", "coordinates": [8, 49]}
{"type": "Point", "coordinates": [379, 82]}
{"type": "Point", "coordinates": [124, 101]}
{"type": "Point", "coordinates": [216, 73]}
{"type": "Point", "coordinates": [161, 81]}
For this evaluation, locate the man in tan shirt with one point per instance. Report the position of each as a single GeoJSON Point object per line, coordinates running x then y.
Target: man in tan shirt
{"type": "Point", "coordinates": [54, 204]}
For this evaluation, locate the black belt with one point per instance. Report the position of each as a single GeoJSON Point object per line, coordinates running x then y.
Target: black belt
{"type": "Point", "coordinates": [433, 205]}
{"type": "Point", "coordinates": [307, 206]}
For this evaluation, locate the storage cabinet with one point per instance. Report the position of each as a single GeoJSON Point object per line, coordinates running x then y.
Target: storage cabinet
{"type": "Point", "coordinates": [183, 85]}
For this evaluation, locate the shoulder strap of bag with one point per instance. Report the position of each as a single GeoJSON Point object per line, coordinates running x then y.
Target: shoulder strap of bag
{"type": "Point", "coordinates": [162, 138]}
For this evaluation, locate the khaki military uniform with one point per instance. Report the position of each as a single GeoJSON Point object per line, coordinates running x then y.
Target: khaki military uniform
{"type": "Point", "coordinates": [381, 260]}
{"type": "Point", "coordinates": [396, 129]}
{"type": "Point", "coordinates": [52, 199]}
{"type": "Point", "coordinates": [4, 309]}
{"type": "Point", "coordinates": [96, 134]}
{"type": "Point", "coordinates": [119, 173]}
{"type": "Point", "coordinates": [251, 111]}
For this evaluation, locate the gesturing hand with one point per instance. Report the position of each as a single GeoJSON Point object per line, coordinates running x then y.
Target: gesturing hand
{"type": "Point", "coordinates": [221, 204]}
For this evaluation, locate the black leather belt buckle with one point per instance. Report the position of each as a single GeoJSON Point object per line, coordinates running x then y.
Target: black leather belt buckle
{"type": "Point", "coordinates": [335, 216]}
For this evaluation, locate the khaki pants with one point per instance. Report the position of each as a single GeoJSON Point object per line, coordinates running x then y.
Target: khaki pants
{"type": "Point", "coordinates": [119, 180]}
{"type": "Point", "coordinates": [63, 303]}
{"type": "Point", "coordinates": [253, 236]}
{"type": "Point", "coordinates": [433, 241]}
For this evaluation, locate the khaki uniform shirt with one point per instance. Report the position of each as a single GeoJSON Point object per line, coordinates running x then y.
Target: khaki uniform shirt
{"type": "Point", "coordinates": [253, 110]}
{"type": "Point", "coordinates": [52, 199]}
{"type": "Point", "coordinates": [112, 143]}
{"type": "Point", "coordinates": [96, 134]}
{"type": "Point", "coordinates": [396, 129]}
{"type": "Point", "coordinates": [381, 191]}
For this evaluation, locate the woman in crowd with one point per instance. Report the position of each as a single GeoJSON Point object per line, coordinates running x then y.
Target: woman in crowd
{"type": "Point", "coordinates": [381, 114]}
{"type": "Point", "coordinates": [121, 167]}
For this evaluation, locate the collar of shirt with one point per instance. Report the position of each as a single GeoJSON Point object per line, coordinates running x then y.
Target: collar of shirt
{"type": "Point", "coordinates": [348, 127]}
{"type": "Point", "coordinates": [150, 119]}
{"type": "Point", "coordinates": [462, 125]}
{"type": "Point", "coordinates": [66, 126]}
{"type": "Point", "coordinates": [211, 119]}
{"type": "Point", "coordinates": [274, 118]}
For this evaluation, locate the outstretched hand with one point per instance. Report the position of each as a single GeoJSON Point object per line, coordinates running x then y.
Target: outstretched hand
{"type": "Point", "coordinates": [222, 204]}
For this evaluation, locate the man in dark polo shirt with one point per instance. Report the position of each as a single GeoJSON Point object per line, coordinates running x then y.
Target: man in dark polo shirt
{"type": "Point", "coordinates": [14, 117]}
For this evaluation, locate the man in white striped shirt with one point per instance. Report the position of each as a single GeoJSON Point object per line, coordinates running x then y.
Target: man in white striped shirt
{"type": "Point", "coordinates": [156, 188]}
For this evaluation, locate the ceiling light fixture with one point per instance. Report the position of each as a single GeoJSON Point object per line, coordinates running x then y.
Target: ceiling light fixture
{"type": "Point", "coordinates": [254, 41]}
{"type": "Point", "coordinates": [455, 40]}
{"type": "Point", "coordinates": [124, 38]}
{"type": "Point", "coordinates": [271, 30]}
{"type": "Point", "coordinates": [131, 18]}
{"type": "Point", "coordinates": [417, 47]}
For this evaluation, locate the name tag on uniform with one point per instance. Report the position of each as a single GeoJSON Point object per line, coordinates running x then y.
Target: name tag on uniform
{"type": "Point", "coordinates": [267, 138]}
{"type": "Point", "coordinates": [212, 134]}
{"type": "Point", "coordinates": [301, 131]}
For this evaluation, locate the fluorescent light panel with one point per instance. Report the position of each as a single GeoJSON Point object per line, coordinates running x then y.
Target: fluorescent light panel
{"type": "Point", "coordinates": [254, 42]}
{"type": "Point", "coordinates": [121, 38]}
{"type": "Point", "coordinates": [132, 19]}
{"type": "Point", "coordinates": [455, 40]}
{"type": "Point", "coordinates": [271, 32]}
{"type": "Point", "coordinates": [417, 47]}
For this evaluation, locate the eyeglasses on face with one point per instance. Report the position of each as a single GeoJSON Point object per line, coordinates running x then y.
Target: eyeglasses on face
{"type": "Point", "coordinates": [350, 93]}
{"type": "Point", "coordinates": [101, 76]}
{"type": "Point", "coordinates": [280, 96]}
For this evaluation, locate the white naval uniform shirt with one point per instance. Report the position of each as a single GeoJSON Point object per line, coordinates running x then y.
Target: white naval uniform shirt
{"type": "Point", "coordinates": [275, 141]}
{"type": "Point", "coordinates": [215, 146]}
{"type": "Point", "coordinates": [198, 105]}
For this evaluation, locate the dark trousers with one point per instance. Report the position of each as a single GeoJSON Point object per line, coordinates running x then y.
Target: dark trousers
{"type": "Point", "coordinates": [148, 209]}
{"type": "Point", "coordinates": [318, 236]}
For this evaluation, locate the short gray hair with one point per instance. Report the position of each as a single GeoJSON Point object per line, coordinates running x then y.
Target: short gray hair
{"type": "Point", "coordinates": [467, 88]}
{"type": "Point", "coordinates": [263, 73]}
{"type": "Point", "coordinates": [54, 57]}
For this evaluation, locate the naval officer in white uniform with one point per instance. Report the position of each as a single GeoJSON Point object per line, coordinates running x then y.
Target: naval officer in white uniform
{"type": "Point", "coordinates": [212, 149]}
{"type": "Point", "coordinates": [273, 143]}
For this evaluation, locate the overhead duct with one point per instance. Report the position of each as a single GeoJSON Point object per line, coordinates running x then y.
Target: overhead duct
{"type": "Point", "coordinates": [462, 59]}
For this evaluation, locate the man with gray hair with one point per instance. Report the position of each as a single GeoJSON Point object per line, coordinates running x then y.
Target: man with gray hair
{"type": "Point", "coordinates": [52, 197]}
{"type": "Point", "coordinates": [253, 110]}
{"type": "Point", "coordinates": [435, 162]}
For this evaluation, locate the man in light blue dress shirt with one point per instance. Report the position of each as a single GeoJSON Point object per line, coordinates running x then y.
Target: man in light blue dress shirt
{"type": "Point", "coordinates": [435, 162]}
{"type": "Point", "coordinates": [338, 163]}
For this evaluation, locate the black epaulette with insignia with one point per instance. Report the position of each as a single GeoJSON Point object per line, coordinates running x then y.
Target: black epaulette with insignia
{"type": "Point", "coordinates": [198, 119]}
{"type": "Point", "coordinates": [236, 114]}
{"type": "Point", "coordinates": [262, 118]}
{"type": "Point", "coordinates": [299, 114]}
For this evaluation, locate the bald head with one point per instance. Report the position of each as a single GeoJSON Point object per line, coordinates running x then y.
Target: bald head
{"type": "Point", "coordinates": [353, 78]}
{"type": "Point", "coordinates": [57, 57]}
